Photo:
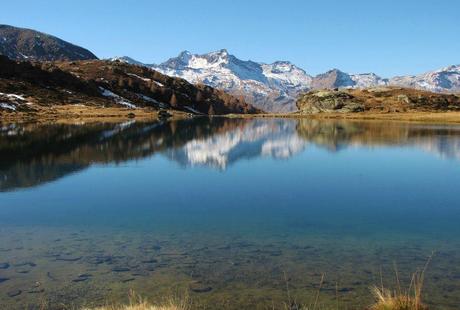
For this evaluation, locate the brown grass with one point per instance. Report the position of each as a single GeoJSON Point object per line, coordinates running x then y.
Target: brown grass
{"type": "Point", "coordinates": [411, 299]}
{"type": "Point", "coordinates": [87, 114]}
{"type": "Point", "coordinates": [422, 117]}
{"type": "Point", "coordinates": [138, 303]}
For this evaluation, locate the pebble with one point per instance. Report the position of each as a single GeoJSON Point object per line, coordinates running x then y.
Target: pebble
{"type": "Point", "coordinates": [36, 290]}
{"type": "Point", "coordinates": [14, 293]}
{"type": "Point", "coordinates": [82, 277]}
{"type": "Point", "coordinates": [120, 269]}
{"type": "Point", "coordinates": [50, 276]}
{"type": "Point", "coordinates": [345, 290]}
{"type": "Point", "coordinates": [23, 264]}
{"type": "Point", "coordinates": [200, 288]}
{"type": "Point", "coordinates": [69, 258]}
{"type": "Point", "coordinates": [23, 270]}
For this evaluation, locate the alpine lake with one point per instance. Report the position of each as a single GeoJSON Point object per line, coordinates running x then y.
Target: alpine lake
{"type": "Point", "coordinates": [234, 213]}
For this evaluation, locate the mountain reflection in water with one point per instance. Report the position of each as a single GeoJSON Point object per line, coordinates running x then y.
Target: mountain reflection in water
{"type": "Point", "coordinates": [34, 154]}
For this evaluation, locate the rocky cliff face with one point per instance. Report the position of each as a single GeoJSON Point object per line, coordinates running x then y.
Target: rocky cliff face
{"type": "Point", "coordinates": [27, 44]}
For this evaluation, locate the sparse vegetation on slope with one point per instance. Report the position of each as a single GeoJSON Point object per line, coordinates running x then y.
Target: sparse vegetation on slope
{"type": "Point", "coordinates": [376, 100]}
{"type": "Point", "coordinates": [28, 44]}
{"type": "Point", "coordinates": [105, 84]}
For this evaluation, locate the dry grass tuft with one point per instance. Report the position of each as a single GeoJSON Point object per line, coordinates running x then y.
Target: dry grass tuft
{"type": "Point", "coordinates": [387, 300]}
{"type": "Point", "coordinates": [402, 300]}
{"type": "Point", "coordinates": [138, 303]}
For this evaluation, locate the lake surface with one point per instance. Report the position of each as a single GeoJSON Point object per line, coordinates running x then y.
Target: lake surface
{"type": "Point", "coordinates": [236, 213]}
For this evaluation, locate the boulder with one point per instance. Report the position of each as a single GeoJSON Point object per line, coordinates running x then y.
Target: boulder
{"type": "Point", "coordinates": [329, 101]}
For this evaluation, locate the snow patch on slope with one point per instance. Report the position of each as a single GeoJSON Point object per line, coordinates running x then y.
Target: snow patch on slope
{"type": "Point", "coordinates": [118, 99]}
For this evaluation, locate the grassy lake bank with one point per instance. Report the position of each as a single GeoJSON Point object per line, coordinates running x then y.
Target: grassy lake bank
{"type": "Point", "coordinates": [74, 113]}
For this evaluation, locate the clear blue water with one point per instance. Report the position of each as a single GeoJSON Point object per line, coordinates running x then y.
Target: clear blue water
{"type": "Point", "coordinates": [230, 210]}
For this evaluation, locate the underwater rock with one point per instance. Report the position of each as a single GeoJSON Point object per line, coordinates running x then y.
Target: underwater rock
{"type": "Point", "coordinates": [50, 276]}
{"type": "Point", "coordinates": [23, 270]}
{"type": "Point", "coordinates": [150, 268]}
{"type": "Point", "coordinates": [149, 261]}
{"type": "Point", "coordinates": [69, 258]}
{"type": "Point", "coordinates": [128, 280]}
{"type": "Point", "coordinates": [24, 264]}
{"type": "Point", "coordinates": [120, 269]}
{"type": "Point", "coordinates": [14, 293]}
{"type": "Point", "coordinates": [82, 277]}
{"type": "Point", "coordinates": [200, 288]}
{"type": "Point", "coordinates": [345, 290]}
{"type": "Point", "coordinates": [36, 290]}
{"type": "Point", "coordinates": [4, 280]}
{"type": "Point", "coordinates": [101, 259]}
{"type": "Point", "coordinates": [4, 265]}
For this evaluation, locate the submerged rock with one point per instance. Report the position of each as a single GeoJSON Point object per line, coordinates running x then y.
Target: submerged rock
{"type": "Point", "coordinates": [25, 264]}
{"type": "Point", "coordinates": [120, 269]}
{"type": "Point", "coordinates": [23, 270]}
{"type": "Point", "coordinates": [4, 265]}
{"type": "Point", "coordinates": [69, 258]}
{"type": "Point", "coordinates": [14, 293]}
{"type": "Point", "coordinates": [82, 277]}
{"type": "Point", "coordinates": [4, 280]}
{"type": "Point", "coordinates": [36, 290]}
{"type": "Point", "coordinates": [149, 261]}
{"type": "Point", "coordinates": [198, 287]}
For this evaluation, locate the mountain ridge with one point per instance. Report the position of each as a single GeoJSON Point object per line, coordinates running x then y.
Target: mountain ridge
{"type": "Point", "coordinates": [275, 87]}
{"type": "Point", "coordinates": [28, 44]}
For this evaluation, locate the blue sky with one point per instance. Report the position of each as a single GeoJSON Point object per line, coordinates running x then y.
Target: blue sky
{"type": "Point", "coordinates": [385, 37]}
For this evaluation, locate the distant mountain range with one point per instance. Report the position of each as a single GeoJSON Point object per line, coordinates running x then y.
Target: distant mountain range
{"type": "Point", "coordinates": [275, 87]}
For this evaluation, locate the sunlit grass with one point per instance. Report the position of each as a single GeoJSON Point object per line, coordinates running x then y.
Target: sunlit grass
{"type": "Point", "coordinates": [138, 303]}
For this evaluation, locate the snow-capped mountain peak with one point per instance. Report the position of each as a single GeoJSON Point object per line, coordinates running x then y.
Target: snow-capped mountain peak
{"type": "Point", "coordinates": [272, 87]}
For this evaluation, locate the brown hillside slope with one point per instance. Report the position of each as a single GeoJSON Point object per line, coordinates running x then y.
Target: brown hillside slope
{"type": "Point", "coordinates": [27, 44]}
{"type": "Point", "coordinates": [26, 86]}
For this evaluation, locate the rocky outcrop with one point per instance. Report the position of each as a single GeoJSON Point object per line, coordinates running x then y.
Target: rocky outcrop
{"type": "Point", "coordinates": [329, 101]}
{"type": "Point", "coordinates": [377, 100]}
